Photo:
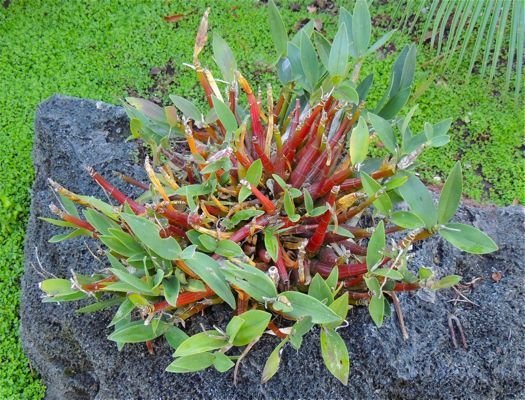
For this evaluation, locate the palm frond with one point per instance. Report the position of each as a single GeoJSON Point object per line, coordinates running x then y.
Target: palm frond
{"type": "Point", "coordinates": [497, 25]}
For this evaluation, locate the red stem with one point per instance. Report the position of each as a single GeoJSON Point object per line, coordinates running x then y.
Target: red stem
{"type": "Point", "coordinates": [184, 299]}
{"type": "Point", "coordinates": [267, 164]}
{"type": "Point", "coordinates": [296, 138]}
{"type": "Point", "coordinates": [115, 193]}
{"type": "Point", "coordinates": [315, 242]}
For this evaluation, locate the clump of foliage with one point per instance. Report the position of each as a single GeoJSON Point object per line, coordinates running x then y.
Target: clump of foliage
{"type": "Point", "coordinates": [277, 209]}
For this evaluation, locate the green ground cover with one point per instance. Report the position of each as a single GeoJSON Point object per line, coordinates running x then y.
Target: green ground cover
{"type": "Point", "coordinates": [106, 50]}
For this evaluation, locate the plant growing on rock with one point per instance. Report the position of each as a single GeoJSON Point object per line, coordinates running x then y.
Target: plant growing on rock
{"type": "Point", "coordinates": [277, 208]}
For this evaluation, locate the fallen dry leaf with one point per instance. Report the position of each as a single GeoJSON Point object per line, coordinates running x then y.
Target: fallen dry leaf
{"type": "Point", "coordinates": [173, 18]}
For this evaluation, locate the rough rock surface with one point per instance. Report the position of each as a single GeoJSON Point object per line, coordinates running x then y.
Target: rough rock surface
{"type": "Point", "coordinates": [77, 362]}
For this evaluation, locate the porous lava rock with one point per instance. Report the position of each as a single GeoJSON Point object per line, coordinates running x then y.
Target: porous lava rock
{"type": "Point", "coordinates": [76, 361]}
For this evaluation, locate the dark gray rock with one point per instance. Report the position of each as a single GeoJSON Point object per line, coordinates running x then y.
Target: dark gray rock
{"type": "Point", "coordinates": [77, 362]}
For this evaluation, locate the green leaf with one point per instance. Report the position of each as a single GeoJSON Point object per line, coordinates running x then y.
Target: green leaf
{"type": "Point", "coordinates": [289, 206]}
{"type": "Point", "coordinates": [389, 273]}
{"type": "Point", "coordinates": [149, 234]}
{"type": "Point", "coordinates": [346, 92]}
{"type": "Point", "coordinates": [187, 108]}
{"type": "Point", "coordinates": [332, 280]}
{"type": "Point", "coordinates": [137, 332]}
{"type": "Point", "coordinates": [209, 243]}
{"type": "Point", "coordinates": [194, 285]}
{"type": "Point", "coordinates": [225, 115]}
{"type": "Point", "coordinates": [277, 29]}
{"type": "Point", "coordinates": [222, 362]}
{"type": "Point", "coordinates": [307, 306]}
{"type": "Point", "coordinates": [56, 286]}
{"type": "Point", "coordinates": [335, 355]}
{"type": "Point", "coordinates": [175, 336]}
{"type": "Point", "coordinates": [138, 300]}
{"type": "Point", "coordinates": [380, 42]}
{"type": "Point", "coordinates": [103, 207]}
{"type": "Point", "coordinates": [309, 61]}
{"type": "Point", "coordinates": [450, 195]}
{"type": "Point", "coordinates": [438, 141]}
{"type": "Point", "coordinates": [384, 131]}
{"type": "Point", "coordinates": [61, 298]}
{"type": "Point", "coordinates": [201, 343]}
{"type": "Point", "coordinates": [376, 308]}
{"type": "Point", "coordinates": [99, 221]}
{"type": "Point", "coordinates": [222, 163]}
{"type": "Point", "coordinates": [138, 284]}
{"type": "Point", "coordinates": [371, 187]}
{"type": "Point", "coordinates": [209, 271]}
{"type": "Point", "coordinates": [420, 201]}
{"type": "Point", "coordinates": [256, 322]}
{"type": "Point", "coordinates": [58, 222]}
{"type": "Point", "coordinates": [99, 305]}
{"type": "Point", "coordinates": [346, 18]}
{"type": "Point", "coordinates": [468, 238]}
{"type": "Point", "coordinates": [244, 215]}
{"type": "Point", "coordinates": [340, 231]}
{"type": "Point", "coordinates": [233, 327]}
{"type": "Point", "coordinates": [272, 364]}
{"type": "Point", "coordinates": [299, 329]}
{"type": "Point", "coordinates": [361, 27]}
{"type": "Point", "coordinates": [127, 240]}
{"type": "Point", "coordinates": [69, 206]}
{"type": "Point", "coordinates": [319, 289]}
{"type": "Point", "coordinates": [394, 104]}
{"type": "Point", "coordinates": [253, 176]}
{"type": "Point", "coordinates": [359, 142]}
{"type": "Point", "coordinates": [424, 273]}
{"type": "Point", "coordinates": [340, 307]}
{"type": "Point", "coordinates": [251, 280]}
{"type": "Point", "coordinates": [373, 285]}
{"type": "Point", "coordinates": [318, 211]}
{"type": "Point", "coordinates": [189, 251]}
{"type": "Point", "coordinates": [323, 48]}
{"type": "Point", "coordinates": [308, 201]}
{"type": "Point", "coordinates": [171, 287]}
{"type": "Point", "coordinates": [69, 235]}
{"type": "Point", "coordinates": [223, 55]}
{"type": "Point", "coordinates": [193, 363]}
{"type": "Point", "coordinates": [123, 311]}
{"type": "Point", "coordinates": [364, 87]}
{"type": "Point", "coordinates": [116, 245]}
{"type": "Point", "coordinates": [395, 182]}
{"type": "Point", "coordinates": [339, 53]}
{"type": "Point", "coordinates": [447, 282]}
{"type": "Point", "coordinates": [376, 246]}
{"type": "Point", "coordinates": [228, 248]}
{"type": "Point", "coordinates": [271, 244]}
{"type": "Point", "coordinates": [148, 108]}
{"type": "Point", "coordinates": [406, 219]}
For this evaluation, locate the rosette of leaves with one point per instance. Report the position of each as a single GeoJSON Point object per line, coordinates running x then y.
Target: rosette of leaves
{"type": "Point", "coordinates": [277, 208]}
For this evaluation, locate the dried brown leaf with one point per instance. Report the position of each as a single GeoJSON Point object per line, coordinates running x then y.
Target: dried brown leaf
{"type": "Point", "coordinates": [173, 18]}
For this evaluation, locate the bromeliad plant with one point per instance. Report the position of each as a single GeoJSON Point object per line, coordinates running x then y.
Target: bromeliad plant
{"type": "Point", "coordinates": [276, 209]}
